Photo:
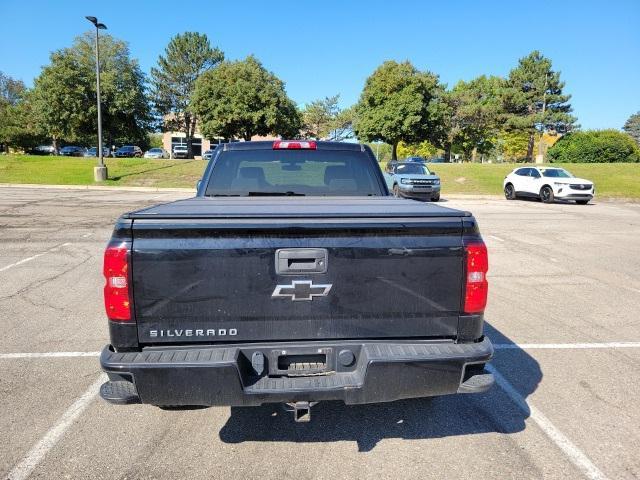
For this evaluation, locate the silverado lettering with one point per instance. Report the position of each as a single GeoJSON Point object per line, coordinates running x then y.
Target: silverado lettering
{"type": "Point", "coordinates": [193, 333]}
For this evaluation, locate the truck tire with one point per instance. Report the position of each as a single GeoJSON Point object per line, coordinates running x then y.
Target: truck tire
{"type": "Point", "coordinates": [435, 198]}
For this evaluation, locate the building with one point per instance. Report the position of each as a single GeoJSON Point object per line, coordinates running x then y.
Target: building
{"type": "Point", "coordinates": [199, 144]}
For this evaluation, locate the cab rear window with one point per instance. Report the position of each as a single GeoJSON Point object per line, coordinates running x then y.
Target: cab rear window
{"type": "Point", "coordinates": [294, 172]}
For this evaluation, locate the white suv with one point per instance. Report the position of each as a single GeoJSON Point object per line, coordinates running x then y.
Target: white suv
{"type": "Point", "coordinates": [547, 184]}
{"type": "Point", "coordinates": [180, 151]}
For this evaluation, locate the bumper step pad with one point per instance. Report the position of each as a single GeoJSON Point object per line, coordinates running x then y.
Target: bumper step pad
{"type": "Point", "coordinates": [119, 393]}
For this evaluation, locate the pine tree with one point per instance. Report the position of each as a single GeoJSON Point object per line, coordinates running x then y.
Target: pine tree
{"type": "Point", "coordinates": [534, 101]}
{"type": "Point", "coordinates": [186, 57]}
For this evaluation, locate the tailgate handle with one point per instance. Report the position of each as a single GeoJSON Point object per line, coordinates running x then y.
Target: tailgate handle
{"type": "Point", "coordinates": [291, 261]}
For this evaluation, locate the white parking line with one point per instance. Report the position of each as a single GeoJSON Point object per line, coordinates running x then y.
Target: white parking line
{"type": "Point", "coordinates": [31, 460]}
{"type": "Point", "coordinates": [6, 356]}
{"type": "Point", "coordinates": [496, 238]}
{"type": "Point", "coordinates": [564, 346]}
{"type": "Point", "coordinates": [28, 259]}
{"type": "Point", "coordinates": [575, 455]}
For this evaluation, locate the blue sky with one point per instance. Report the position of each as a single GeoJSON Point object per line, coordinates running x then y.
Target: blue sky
{"type": "Point", "coordinates": [324, 48]}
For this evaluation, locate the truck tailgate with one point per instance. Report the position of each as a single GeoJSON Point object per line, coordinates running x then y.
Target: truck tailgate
{"type": "Point", "coordinates": [214, 277]}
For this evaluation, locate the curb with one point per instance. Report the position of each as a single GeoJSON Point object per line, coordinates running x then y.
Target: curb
{"type": "Point", "coordinates": [96, 187]}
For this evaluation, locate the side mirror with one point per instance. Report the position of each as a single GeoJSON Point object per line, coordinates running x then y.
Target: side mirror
{"type": "Point", "coordinates": [432, 172]}
{"type": "Point", "coordinates": [198, 185]}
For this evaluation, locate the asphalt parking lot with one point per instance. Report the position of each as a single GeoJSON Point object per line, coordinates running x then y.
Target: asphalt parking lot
{"type": "Point", "coordinates": [563, 313]}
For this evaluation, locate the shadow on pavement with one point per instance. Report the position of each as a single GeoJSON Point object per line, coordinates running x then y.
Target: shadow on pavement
{"type": "Point", "coordinates": [412, 419]}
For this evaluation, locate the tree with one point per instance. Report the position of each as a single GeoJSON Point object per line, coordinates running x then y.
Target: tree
{"type": "Point", "coordinates": [422, 149]}
{"type": "Point", "coordinates": [19, 126]}
{"type": "Point", "coordinates": [595, 146]}
{"type": "Point", "coordinates": [470, 116]}
{"type": "Point", "coordinates": [632, 127]}
{"type": "Point", "coordinates": [11, 92]}
{"type": "Point", "coordinates": [64, 94]}
{"type": "Point", "coordinates": [343, 125]}
{"type": "Point", "coordinates": [186, 58]}
{"type": "Point", "coordinates": [325, 119]}
{"type": "Point", "coordinates": [534, 101]}
{"type": "Point", "coordinates": [318, 117]}
{"type": "Point", "coordinates": [398, 103]}
{"type": "Point", "coordinates": [242, 99]}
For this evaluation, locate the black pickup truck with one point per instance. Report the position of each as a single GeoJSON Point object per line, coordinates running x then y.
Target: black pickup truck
{"type": "Point", "coordinates": [293, 276]}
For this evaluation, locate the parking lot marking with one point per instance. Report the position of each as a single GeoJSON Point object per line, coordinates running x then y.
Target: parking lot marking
{"type": "Point", "coordinates": [564, 346]}
{"type": "Point", "coordinates": [6, 356]}
{"type": "Point", "coordinates": [28, 259]}
{"type": "Point", "coordinates": [23, 469]}
{"type": "Point", "coordinates": [496, 238]}
{"type": "Point", "coordinates": [577, 457]}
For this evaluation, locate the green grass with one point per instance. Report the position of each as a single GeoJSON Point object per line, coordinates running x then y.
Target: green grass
{"type": "Point", "coordinates": [137, 172]}
{"type": "Point", "coordinates": [611, 179]}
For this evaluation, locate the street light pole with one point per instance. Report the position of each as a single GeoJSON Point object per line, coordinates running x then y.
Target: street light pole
{"type": "Point", "coordinates": [100, 171]}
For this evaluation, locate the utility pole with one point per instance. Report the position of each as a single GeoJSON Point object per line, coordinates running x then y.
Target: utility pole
{"type": "Point", "coordinates": [100, 171]}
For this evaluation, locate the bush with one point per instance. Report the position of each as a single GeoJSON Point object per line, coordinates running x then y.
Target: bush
{"type": "Point", "coordinates": [595, 146]}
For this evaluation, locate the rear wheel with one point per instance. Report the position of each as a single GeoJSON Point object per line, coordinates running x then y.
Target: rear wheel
{"type": "Point", "coordinates": [509, 192]}
{"type": "Point", "coordinates": [582, 202]}
{"type": "Point", "coordinates": [546, 194]}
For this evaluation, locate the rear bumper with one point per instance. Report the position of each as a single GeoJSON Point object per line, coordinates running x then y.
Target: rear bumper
{"type": "Point", "coordinates": [225, 375]}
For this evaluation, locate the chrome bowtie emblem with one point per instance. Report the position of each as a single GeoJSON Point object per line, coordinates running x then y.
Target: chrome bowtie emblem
{"type": "Point", "coordinates": [301, 290]}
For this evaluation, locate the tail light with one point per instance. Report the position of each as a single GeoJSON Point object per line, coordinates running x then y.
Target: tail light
{"type": "Point", "coordinates": [288, 145]}
{"type": "Point", "coordinates": [116, 289]}
{"type": "Point", "coordinates": [476, 286]}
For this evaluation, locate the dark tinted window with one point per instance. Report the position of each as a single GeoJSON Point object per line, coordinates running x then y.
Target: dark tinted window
{"type": "Point", "coordinates": [523, 172]}
{"type": "Point", "coordinates": [412, 169]}
{"type": "Point", "coordinates": [294, 172]}
{"type": "Point", "coordinates": [556, 173]}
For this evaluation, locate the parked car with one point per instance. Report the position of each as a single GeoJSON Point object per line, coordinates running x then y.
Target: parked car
{"type": "Point", "coordinates": [207, 155]}
{"type": "Point", "coordinates": [129, 151]}
{"type": "Point", "coordinates": [315, 268]}
{"type": "Point", "coordinates": [156, 153]}
{"type": "Point", "coordinates": [93, 152]}
{"type": "Point", "coordinates": [547, 184]}
{"type": "Point", "coordinates": [414, 180]}
{"type": "Point", "coordinates": [180, 151]}
{"type": "Point", "coordinates": [73, 151]}
{"type": "Point", "coordinates": [43, 150]}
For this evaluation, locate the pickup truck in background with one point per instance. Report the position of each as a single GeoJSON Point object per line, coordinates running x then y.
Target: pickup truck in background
{"type": "Point", "coordinates": [293, 276]}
